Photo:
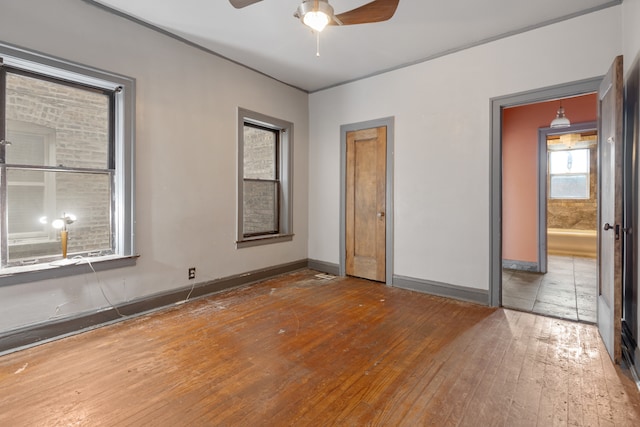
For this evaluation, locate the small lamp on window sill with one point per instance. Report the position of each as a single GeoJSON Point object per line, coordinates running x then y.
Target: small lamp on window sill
{"type": "Point", "coordinates": [61, 224]}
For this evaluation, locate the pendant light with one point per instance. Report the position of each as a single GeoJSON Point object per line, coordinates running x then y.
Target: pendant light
{"type": "Point", "coordinates": [561, 121]}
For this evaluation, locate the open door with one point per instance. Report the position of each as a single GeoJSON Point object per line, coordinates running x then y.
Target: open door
{"type": "Point", "coordinates": [610, 209]}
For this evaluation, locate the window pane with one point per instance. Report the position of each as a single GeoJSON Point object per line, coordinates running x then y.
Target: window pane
{"type": "Point", "coordinates": [260, 207]}
{"type": "Point", "coordinates": [260, 147]}
{"type": "Point", "coordinates": [25, 148]}
{"type": "Point", "coordinates": [54, 124]}
{"type": "Point", "coordinates": [87, 196]}
{"type": "Point", "coordinates": [569, 161]}
{"type": "Point", "coordinates": [569, 187]}
{"type": "Point", "coordinates": [26, 207]}
{"type": "Point", "coordinates": [27, 177]}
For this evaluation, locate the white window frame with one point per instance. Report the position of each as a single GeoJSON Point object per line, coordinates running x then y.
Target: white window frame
{"type": "Point", "coordinates": [123, 159]}
{"type": "Point", "coordinates": [285, 177]}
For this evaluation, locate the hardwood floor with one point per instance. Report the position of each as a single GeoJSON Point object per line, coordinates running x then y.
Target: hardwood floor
{"type": "Point", "coordinates": [300, 350]}
{"type": "Point", "coordinates": [568, 290]}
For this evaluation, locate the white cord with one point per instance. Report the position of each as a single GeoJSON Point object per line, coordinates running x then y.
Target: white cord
{"type": "Point", "coordinates": [80, 257]}
{"type": "Point", "coordinates": [191, 290]}
{"type": "Point", "coordinates": [99, 284]}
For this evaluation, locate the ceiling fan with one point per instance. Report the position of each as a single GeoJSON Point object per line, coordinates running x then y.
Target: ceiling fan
{"type": "Point", "coordinates": [318, 13]}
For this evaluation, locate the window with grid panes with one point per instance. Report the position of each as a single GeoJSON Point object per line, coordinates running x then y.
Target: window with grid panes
{"type": "Point", "coordinates": [264, 187]}
{"type": "Point", "coordinates": [66, 152]}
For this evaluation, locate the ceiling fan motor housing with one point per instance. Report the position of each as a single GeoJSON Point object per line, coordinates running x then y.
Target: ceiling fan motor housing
{"type": "Point", "coordinates": [313, 6]}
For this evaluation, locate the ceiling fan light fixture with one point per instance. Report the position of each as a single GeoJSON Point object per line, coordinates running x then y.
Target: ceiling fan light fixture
{"type": "Point", "coordinates": [316, 20]}
{"type": "Point", "coordinates": [561, 121]}
{"type": "Point", "coordinates": [315, 14]}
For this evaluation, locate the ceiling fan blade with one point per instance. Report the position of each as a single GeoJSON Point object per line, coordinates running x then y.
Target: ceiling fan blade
{"type": "Point", "coordinates": [375, 11]}
{"type": "Point", "coordinates": [239, 4]}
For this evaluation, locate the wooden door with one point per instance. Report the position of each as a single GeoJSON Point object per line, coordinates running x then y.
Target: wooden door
{"type": "Point", "coordinates": [610, 214]}
{"type": "Point", "coordinates": [365, 228]}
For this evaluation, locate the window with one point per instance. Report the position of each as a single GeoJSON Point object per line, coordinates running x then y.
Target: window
{"type": "Point", "coordinates": [569, 174]}
{"type": "Point", "coordinates": [66, 153]}
{"type": "Point", "coordinates": [261, 200]}
{"type": "Point", "coordinates": [264, 179]}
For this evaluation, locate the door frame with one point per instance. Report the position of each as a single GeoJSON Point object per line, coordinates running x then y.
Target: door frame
{"type": "Point", "coordinates": [389, 123]}
{"type": "Point", "coordinates": [566, 90]}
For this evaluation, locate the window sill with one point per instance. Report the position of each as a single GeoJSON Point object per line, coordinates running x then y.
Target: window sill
{"type": "Point", "coordinates": [263, 240]}
{"type": "Point", "coordinates": [55, 269]}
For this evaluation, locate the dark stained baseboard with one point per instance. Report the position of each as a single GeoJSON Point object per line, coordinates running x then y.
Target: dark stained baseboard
{"type": "Point", "coordinates": [479, 296]}
{"type": "Point", "coordinates": [325, 267]}
{"type": "Point", "coordinates": [29, 336]}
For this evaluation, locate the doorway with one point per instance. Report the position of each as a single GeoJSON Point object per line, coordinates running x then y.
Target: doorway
{"type": "Point", "coordinates": [559, 285]}
{"type": "Point", "coordinates": [366, 200]}
{"type": "Point", "coordinates": [613, 227]}
{"type": "Point", "coordinates": [555, 226]}
{"type": "Point", "coordinates": [498, 105]}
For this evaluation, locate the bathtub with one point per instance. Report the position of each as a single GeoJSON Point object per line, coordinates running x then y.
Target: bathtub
{"type": "Point", "coordinates": [572, 242]}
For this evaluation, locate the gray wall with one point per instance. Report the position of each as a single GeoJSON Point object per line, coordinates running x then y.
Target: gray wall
{"type": "Point", "coordinates": [186, 174]}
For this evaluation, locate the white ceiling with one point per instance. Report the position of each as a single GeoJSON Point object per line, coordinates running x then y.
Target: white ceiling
{"type": "Point", "coordinates": [266, 37]}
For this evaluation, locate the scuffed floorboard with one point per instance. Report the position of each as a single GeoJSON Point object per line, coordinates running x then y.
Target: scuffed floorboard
{"type": "Point", "coordinates": [305, 350]}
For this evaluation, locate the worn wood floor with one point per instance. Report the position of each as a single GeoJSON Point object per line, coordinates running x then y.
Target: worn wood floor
{"type": "Point", "coordinates": [568, 290]}
{"type": "Point", "coordinates": [303, 351]}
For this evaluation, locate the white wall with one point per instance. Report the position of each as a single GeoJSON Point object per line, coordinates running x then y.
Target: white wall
{"type": "Point", "coordinates": [185, 156]}
{"type": "Point", "coordinates": [442, 141]}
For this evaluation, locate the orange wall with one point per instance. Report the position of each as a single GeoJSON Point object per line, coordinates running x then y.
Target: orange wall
{"type": "Point", "coordinates": [520, 169]}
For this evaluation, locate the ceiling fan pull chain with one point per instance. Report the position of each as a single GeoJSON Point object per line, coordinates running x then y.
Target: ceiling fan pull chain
{"type": "Point", "coordinates": [317, 43]}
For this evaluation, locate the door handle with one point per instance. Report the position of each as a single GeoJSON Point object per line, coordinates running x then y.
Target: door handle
{"type": "Point", "coordinates": [608, 227]}
{"type": "Point", "coordinates": [380, 214]}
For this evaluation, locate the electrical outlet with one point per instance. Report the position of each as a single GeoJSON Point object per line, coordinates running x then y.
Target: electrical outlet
{"type": "Point", "coordinates": [192, 273]}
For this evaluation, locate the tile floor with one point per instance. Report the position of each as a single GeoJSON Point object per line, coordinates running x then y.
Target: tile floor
{"type": "Point", "coordinates": [567, 290]}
